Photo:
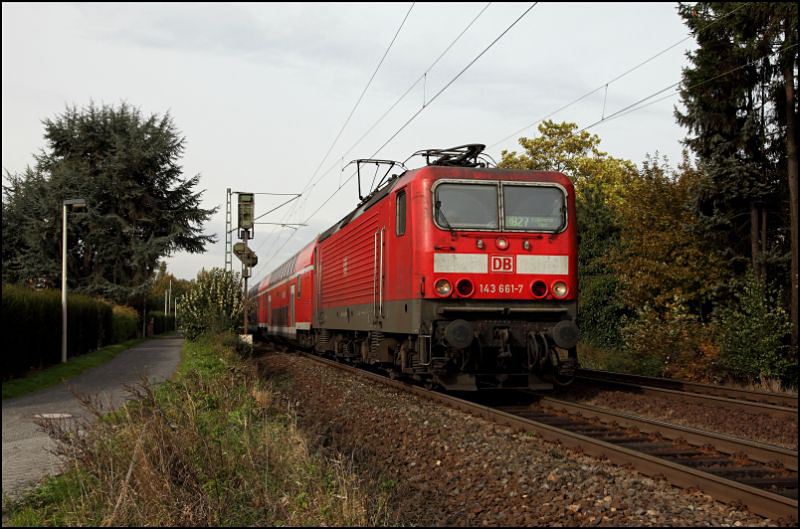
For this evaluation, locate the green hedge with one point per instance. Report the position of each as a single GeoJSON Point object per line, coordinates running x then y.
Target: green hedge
{"type": "Point", "coordinates": [32, 327]}
{"type": "Point", "coordinates": [124, 324]}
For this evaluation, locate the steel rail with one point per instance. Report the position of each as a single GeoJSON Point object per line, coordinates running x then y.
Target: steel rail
{"type": "Point", "coordinates": [759, 501]}
{"type": "Point", "coordinates": [761, 452]}
{"type": "Point", "coordinates": [777, 399]}
{"type": "Point", "coordinates": [781, 412]}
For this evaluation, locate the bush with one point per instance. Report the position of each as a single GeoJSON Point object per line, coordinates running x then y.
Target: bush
{"type": "Point", "coordinates": [124, 324]}
{"type": "Point", "coordinates": [754, 334]}
{"type": "Point", "coordinates": [600, 310]}
{"type": "Point", "coordinates": [213, 303]}
{"type": "Point", "coordinates": [32, 327]}
{"type": "Point", "coordinates": [673, 344]}
{"type": "Point", "coordinates": [600, 305]}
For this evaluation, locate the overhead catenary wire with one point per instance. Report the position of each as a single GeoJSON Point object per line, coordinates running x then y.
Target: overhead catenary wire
{"type": "Point", "coordinates": [455, 78]}
{"type": "Point", "coordinates": [308, 188]}
{"type": "Point", "coordinates": [417, 113]}
{"type": "Point", "coordinates": [617, 78]}
{"type": "Point", "coordinates": [295, 197]}
{"type": "Point", "coordinates": [360, 98]}
{"type": "Point", "coordinates": [363, 92]}
{"type": "Point", "coordinates": [638, 104]}
{"type": "Point", "coordinates": [352, 111]}
{"type": "Point", "coordinates": [422, 77]}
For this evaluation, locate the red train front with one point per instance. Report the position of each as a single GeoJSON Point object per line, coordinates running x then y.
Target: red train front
{"type": "Point", "coordinates": [454, 274]}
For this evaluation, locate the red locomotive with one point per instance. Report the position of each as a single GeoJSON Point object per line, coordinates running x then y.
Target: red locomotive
{"type": "Point", "coordinates": [454, 274]}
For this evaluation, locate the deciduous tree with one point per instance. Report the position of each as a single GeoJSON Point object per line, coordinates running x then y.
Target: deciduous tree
{"type": "Point", "coordinates": [599, 183]}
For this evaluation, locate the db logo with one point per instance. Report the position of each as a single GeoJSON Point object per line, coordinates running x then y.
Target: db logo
{"type": "Point", "coordinates": [501, 263]}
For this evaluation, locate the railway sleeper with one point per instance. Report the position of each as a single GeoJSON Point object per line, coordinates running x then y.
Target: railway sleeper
{"type": "Point", "coordinates": [789, 493]}
{"type": "Point", "coordinates": [621, 439]}
{"type": "Point", "coordinates": [551, 421]}
{"type": "Point", "coordinates": [768, 483]}
{"type": "Point", "coordinates": [668, 452]}
{"type": "Point", "coordinates": [741, 472]}
{"type": "Point", "coordinates": [649, 447]}
{"type": "Point", "coordinates": [699, 462]}
{"type": "Point", "coordinates": [591, 431]}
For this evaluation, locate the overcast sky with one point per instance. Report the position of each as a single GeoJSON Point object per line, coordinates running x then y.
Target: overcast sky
{"type": "Point", "coordinates": [261, 90]}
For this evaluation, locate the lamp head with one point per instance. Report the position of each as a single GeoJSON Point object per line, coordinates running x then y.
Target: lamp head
{"type": "Point", "coordinates": [75, 202]}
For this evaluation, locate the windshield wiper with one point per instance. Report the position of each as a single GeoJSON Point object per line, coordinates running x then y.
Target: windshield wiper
{"type": "Point", "coordinates": [438, 208]}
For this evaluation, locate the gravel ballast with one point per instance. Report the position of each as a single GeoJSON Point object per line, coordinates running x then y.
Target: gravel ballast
{"type": "Point", "coordinates": [450, 468]}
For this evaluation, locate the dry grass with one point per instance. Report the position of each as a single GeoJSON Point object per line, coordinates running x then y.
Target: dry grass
{"type": "Point", "coordinates": [212, 447]}
{"type": "Point", "coordinates": [770, 385]}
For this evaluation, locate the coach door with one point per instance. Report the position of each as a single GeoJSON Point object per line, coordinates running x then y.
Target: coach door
{"type": "Point", "coordinates": [377, 275]}
{"type": "Point", "coordinates": [316, 308]}
{"type": "Point", "coordinates": [268, 319]}
{"type": "Point", "coordinates": [291, 306]}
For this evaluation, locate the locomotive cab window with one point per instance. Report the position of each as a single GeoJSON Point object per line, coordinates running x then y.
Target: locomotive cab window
{"type": "Point", "coordinates": [466, 206]}
{"type": "Point", "coordinates": [400, 222]}
{"type": "Point", "coordinates": [534, 208]}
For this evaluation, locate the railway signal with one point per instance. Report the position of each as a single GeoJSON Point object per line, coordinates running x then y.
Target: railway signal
{"type": "Point", "coordinates": [247, 256]}
{"type": "Point", "coordinates": [246, 211]}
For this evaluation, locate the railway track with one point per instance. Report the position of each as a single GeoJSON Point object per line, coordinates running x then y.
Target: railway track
{"type": "Point", "coordinates": [775, 404]}
{"type": "Point", "coordinates": [759, 476]}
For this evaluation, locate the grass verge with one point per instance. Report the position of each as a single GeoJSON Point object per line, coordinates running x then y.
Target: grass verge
{"type": "Point", "coordinates": [213, 446]}
{"type": "Point", "coordinates": [56, 374]}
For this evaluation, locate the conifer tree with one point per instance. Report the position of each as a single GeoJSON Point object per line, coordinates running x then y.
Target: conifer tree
{"type": "Point", "coordinates": [741, 108]}
{"type": "Point", "coordinates": [140, 208]}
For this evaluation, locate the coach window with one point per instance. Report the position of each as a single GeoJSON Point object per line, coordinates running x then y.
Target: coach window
{"type": "Point", "coordinates": [400, 225]}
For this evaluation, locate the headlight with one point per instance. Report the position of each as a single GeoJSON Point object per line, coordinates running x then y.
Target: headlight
{"type": "Point", "coordinates": [465, 287]}
{"type": "Point", "coordinates": [559, 289]}
{"type": "Point", "coordinates": [539, 288]}
{"type": "Point", "coordinates": [443, 287]}
{"type": "Point", "coordinates": [501, 243]}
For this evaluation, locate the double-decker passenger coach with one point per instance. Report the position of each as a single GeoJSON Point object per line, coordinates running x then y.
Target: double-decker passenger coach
{"type": "Point", "coordinates": [455, 274]}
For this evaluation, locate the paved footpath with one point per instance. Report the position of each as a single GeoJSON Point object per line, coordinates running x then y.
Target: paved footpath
{"type": "Point", "coordinates": [26, 448]}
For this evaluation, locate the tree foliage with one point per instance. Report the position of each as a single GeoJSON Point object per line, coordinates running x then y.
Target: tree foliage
{"type": "Point", "coordinates": [140, 208]}
{"type": "Point", "coordinates": [660, 257]}
{"type": "Point", "coordinates": [163, 281]}
{"type": "Point", "coordinates": [599, 181]}
{"type": "Point", "coordinates": [652, 287]}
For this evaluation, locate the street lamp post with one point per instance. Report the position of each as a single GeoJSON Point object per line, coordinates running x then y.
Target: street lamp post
{"type": "Point", "coordinates": [75, 203]}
